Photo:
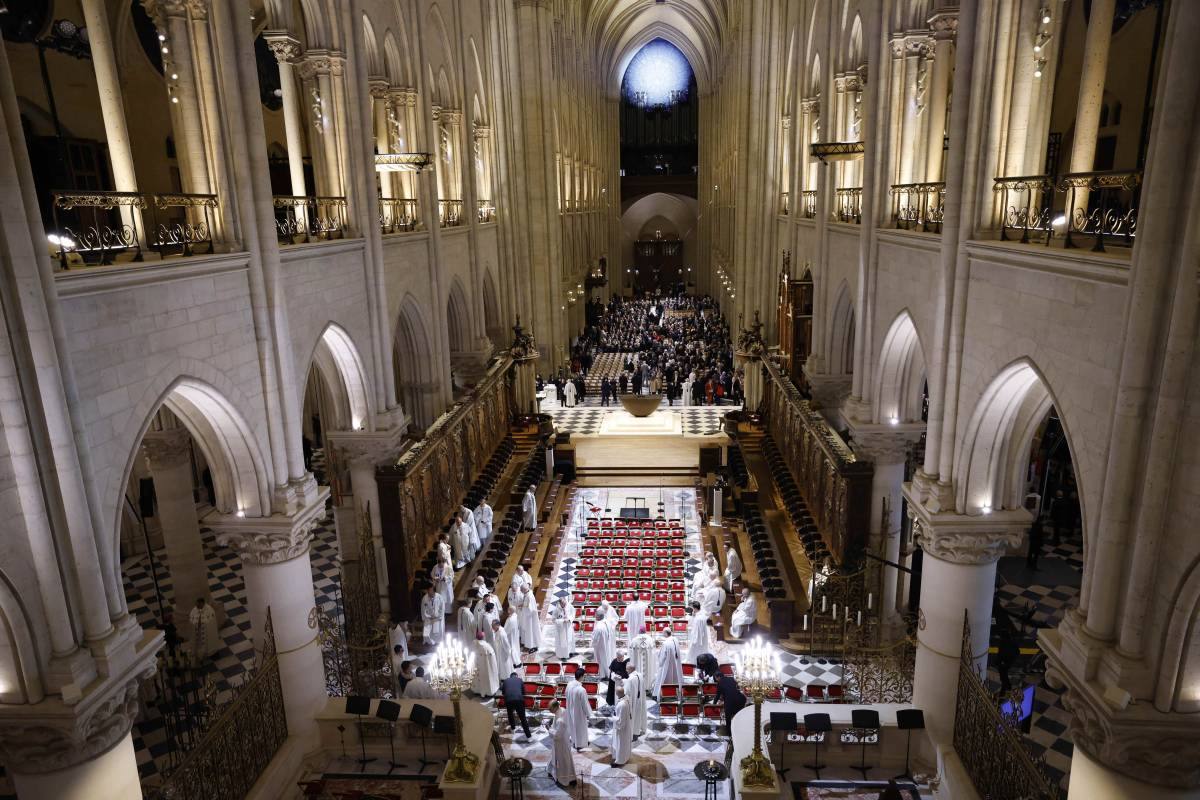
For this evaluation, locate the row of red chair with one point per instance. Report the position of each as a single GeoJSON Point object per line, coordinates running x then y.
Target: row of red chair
{"type": "Point", "coordinates": [693, 711]}
{"type": "Point", "coordinates": [633, 550]}
{"type": "Point", "coordinates": [625, 522]}
{"type": "Point", "coordinates": [565, 671]}
{"type": "Point", "coordinates": [667, 606]}
{"type": "Point", "coordinates": [673, 559]}
{"type": "Point", "coordinates": [624, 580]}
{"type": "Point", "coordinates": [587, 568]}
{"type": "Point", "coordinates": [678, 626]}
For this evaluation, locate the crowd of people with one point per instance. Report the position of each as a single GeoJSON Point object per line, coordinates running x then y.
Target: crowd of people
{"type": "Point", "coordinates": [677, 345]}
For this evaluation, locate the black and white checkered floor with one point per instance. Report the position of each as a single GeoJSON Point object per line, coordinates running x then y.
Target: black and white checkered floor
{"type": "Point", "coordinates": [230, 663]}
{"type": "Point", "coordinates": [586, 420]}
{"type": "Point", "coordinates": [1050, 590]}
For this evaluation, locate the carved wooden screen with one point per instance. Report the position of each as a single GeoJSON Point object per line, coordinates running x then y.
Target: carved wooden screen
{"type": "Point", "coordinates": [418, 494]}
{"type": "Point", "coordinates": [834, 483]}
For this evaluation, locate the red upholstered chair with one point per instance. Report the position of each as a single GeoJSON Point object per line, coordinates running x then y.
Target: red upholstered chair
{"type": "Point", "coordinates": [531, 669]}
{"type": "Point", "coordinates": [668, 691]}
{"type": "Point", "coordinates": [709, 689]}
{"type": "Point", "coordinates": [726, 669]}
{"type": "Point", "coordinates": [668, 709]}
{"type": "Point", "coordinates": [836, 693]}
{"type": "Point", "coordinates": [690, 690]}
{"type": "Point", "coordinates": [689, 670]}
{"type": "Point", "coordinates": [689, 712]}
{"type": "Point", "coordinates": [774, 695]}
{"type": "Point", "coordinates": [815, 693]}
{"type": "Point", "coordinates": [591, 668]}
{"type": "Point", "coordinates": [714, 711]}
{"type": "Point", "coordinates": [793, 693]}
{"type": "Point", "coordinates": [553, 669]}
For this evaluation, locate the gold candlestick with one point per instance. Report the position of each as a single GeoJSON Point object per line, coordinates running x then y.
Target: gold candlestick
{"type": "Point", "coordinates": [452, 671]}
{"type": "Point", "coordinates": [757, 674]}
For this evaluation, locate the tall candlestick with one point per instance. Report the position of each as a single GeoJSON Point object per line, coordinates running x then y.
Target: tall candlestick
{"type": "Point", "coordinates": [860, 619]}
{"type": "Point", "coordinates": [823, 599]}
{"type": "Point", "coordinates": [804, 619]}
{"type": "Point", "coordinates": [835, 611]}
{"type": "Point", "coordinates": [870, 600]}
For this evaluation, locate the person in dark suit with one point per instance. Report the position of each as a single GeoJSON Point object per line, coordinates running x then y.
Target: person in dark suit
{"type": "Point", "coordinates": [1036, 540]}
{"type": "Point", "coordinates": [618, 668]}
{"type": "Point", "coordinates": [731, 696]}
{"type": "Point", "coordinates": [513, 690]}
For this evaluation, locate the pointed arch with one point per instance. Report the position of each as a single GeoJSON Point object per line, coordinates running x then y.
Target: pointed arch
{"type": "Point", "coordinates": [990, 466]}
{"type": "Point", "coordinates": [900, 375]}
{"type": "Point", "coordinates": [371, 45]}
{"type": "Point", "coordinates": [492, 322]}
{"type": "Point", "coordinates": [854, 57]}
{"type": "Point", "coordinates": [19, 662]}
{"type": "Point", "coordinates": [480, 101]}
{"type": "Point", "coordinates": [396, 66]}
{"type": "Point", "coordinates": [337, 359]}
{"type": "Point", "coordinates": [412, 358]}
{"type": "Point", "coordinates": [448, 80]}
{"type": "Point", "coordinates": [840, 357]}
{"type": "Point", "coordinates": [1178, 686]}
{"type": "Point", "coordinates": [458, 317]}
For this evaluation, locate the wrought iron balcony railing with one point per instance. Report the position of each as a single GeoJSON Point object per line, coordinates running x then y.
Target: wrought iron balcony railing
{"type": "Point", "coordinates": [485, 211]}
{"type": "Point", "coordinates": [1100, 205]}
{"type": "Point", "coordinates": [848, 205]}
{"type": "Point", "coordinates": [919, 205]}
{"type": "Point", "coordinates": [397, 215]}
{"type": "Point", "coordinates": [450, 213]}
{"type": "Point", "coordinates": [808, 204]}
{"type": "Point", "coordinates": [97, 227]}
{"type": "Point", "coordinates": [301, 219]}
{"type": "Point", "coordinates": [784, 203]}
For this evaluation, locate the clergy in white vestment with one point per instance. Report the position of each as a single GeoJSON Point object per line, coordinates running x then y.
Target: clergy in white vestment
{"type": "Point", "coordinates": [644, 658]}
{"type": "Point", "coordinates": [569, 394]}
{"type": "Point", "coordinates": [205, 638]}
{"type": "Point", "coordinates": [577, 710]}
{"type": "Point", "coordinates": [562, 760]}
{"type": "Point", "coordinates": [443, 581]}
{"type": "Point", "coordinates": [700, 581]}
{"type": "Point", "coordinates": [419, 689]}
{"type": "Point", "coordinates": [483, 521]}
{"type": "Point", "coordinates": [399, 637]}
{"type": "Point", "coordinates": [522, 577]}
{"type": "Point", "coordinates": [485, 613]}
{"type": "Point", "coordinates": [635, 617]}
{"type": "Point", "coordinates": [531, 626]}
{"type": "Point", "coordinates": [479, 588]}
{"type": "Point", "coordinates": [529, 510]}
{"type": "Point", "coordinates": [499, 643]}
{"type": "Point", "coordinates": [468, 520]}
{"type": "Point", "coordinates": [697, 635]}
{"type": "Point", "coordinates": [460, 545]}
{"type": "Point", "coordinates": [670, 665]}
{"type": "Point", "coordinates": [733, 568]}
{"type": "Point", "coordinates": [608, 615]}
{"type": "Point", "coordinates": [487, 675]}
{"type": "Point", "coordinates": [744, 615]}
{"type": "Point", "coordinates": [433, 616]}
{"type": "Point", "coordinates": [712, 599]}
{"type": "Point", "coordinates": [512, 626]}
{"type": "Point", "coordinates": [443, 548]}
{"type": "Point", "coordinates": [563, 613]}
{"type": "Point", "coordinates": [621, 746]}
{"type": "Point", "coordinates": [466, 623]}
{"type": "Point", "coordinates": [635, 695]}
{"type": "Point", "coordinates": [604, 646]}
{"type": "Point", "coordinates": [513, 598]}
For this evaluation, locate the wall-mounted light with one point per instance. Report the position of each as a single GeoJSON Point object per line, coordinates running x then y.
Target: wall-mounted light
{"type": "Point", "coordinates": [241, 512]}
{"type": "Point", "coordinates": [985, 509]}
{"type": "Point", "coordinates": [894, 420]}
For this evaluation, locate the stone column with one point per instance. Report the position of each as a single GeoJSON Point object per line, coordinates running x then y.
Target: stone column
{"type": "Point", "coordinates": [1091, 94]}
{"type": "Point", "coordinates": [380, 92]}
{"type": "Point", "coordinates": [887, 447]}
{"type": "Point", "coordinates": [958, 575]}
{"type": "Point", "coordinates": [168, 453]}
{"type": "Point", "coordinates": [316, 70]}
{"type": "Point", "coordinates": [287, 51]}
{"type": "Point", "coordinates": [525, 357]}
{"type": "Point", "coordinates": [85, 752]}
{"type": "Point", "coordinates": [915, 50]}
{"type": "Point", "coordinates": [112, 108]}
{"type": "Point", "coordinates": [278, 576]}
{"type": "Point", "coordinates": [171, 19]}
{"type": "Point", "coordinates": [944, 24]}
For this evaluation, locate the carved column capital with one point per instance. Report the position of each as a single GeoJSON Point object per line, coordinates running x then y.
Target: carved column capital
{"type": "Point", "coordinates": [944, 24]}
{"type": "Point", "coordinates": [286, 48]}
{"type": "Point", "coordinates": [314, 63]}
{"type": "Point", "coordinates": [161, 10]}
{"type": "Point", "coordinates": [884, 444]}
{"type": "Point", "coordinates": [367, 447]}
{"type": "Point", "coordinates": [451, 116]}
{"type": "Point", "coordinates": [810, 105]}
{"type": "Point", "coordinates": [167, 448]}
{"type": "Point", "coordinates": [918, 44]}
{"type": "Point", "coordinates": [198, 9]}
{"type": "Point", "coordinates": [482, 131]}
{"type": "Point", "coordinates": [379, 88]}
{"type": "Point", "coordinates": [270, 540]}
{"type": "Point", "coordinates": [960, 539]}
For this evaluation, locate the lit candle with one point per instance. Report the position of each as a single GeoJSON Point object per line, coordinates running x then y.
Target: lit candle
{"type": "Point", "coordinates": [804, 620]}
{"type": "Point", "coordinates": [870, 600]}
{"type": "Point", "coordinates": [847, 613]}
{"type": "Point", "coordinates": [823, 599]}
{"type": "Point", "coordinates": [835, 610]}
{"type": "Point", "coordinates": [860, 619]}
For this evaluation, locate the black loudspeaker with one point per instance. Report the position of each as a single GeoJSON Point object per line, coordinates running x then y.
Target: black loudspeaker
{"type": "Point", "coordinates": [359, 706]}
{"type": "Point", "coordinates": [785, 723]}
{"type": "Point", "coordinates": [864, 719]}
{"type": "Point", "coordinates": [422, 716]}
{"type": "Point", "coordinates": [390, 712]}
{"type": "Point", "coordinates": [446, 727]}
{"type": "Point", "coordinates": [909, 720]}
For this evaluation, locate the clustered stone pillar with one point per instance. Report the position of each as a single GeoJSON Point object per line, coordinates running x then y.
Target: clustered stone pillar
{"type": "Point", "coordinates": [944, 25]}
{"type": "Point", "coordinates": [1091, 93]}
{"type": "Point", "coordinates": [958, 574]}
{"type": "Point", "coordinates": [168, 453]}
{"type": "Point", "coordinates": [287, 51]}
{"type": "Point", "coordinates": [171, 19]}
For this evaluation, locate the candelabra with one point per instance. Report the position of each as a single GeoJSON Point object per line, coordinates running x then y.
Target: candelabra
{"type": "Point", "coordinates": [757, 674]}
{"type": "Point", "coordinates": [452, 671]}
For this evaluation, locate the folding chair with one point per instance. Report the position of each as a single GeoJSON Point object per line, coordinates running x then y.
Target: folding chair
{"type": "Point", "coordinates": [815, 693]}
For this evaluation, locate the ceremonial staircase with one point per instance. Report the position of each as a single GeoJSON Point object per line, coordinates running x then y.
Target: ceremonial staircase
{"type": "Point", "coordinates": [605, 365]}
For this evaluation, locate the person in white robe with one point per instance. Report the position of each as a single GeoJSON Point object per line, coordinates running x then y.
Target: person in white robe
{"type": "Point", "coordinates": [512, 627]}
{"type": "Point", "coordinates": [529, 510]}
{"type": "Point", "coordinates": [206, 640]}
{"type": "Point", "coordinates": [744, 615]}
{"type": "Point", "coordinates": [433, 616]}
{"type": "Point", "coordinates": [479, 588]}
{"type": "Point", "coordinates": [460, 543]}
{"type": "Point", "coordinates": [483, 521]}
{"type": "Point", "coordinates": [522, 577]}
{"type": "Point", "coordinates": [608, 615]}
{"type": "Point", "coordinates": [569, 394]}
{"type": "Point", "coordinates": [562, 760]}
{"type": "Point", "coordinates": [466, 623]}
{"type": "Point", "coordinates": [621, 745]}
{"type": "Point", "coordinates": [644, 658]}
{"type": "Point", "coordinates": [635, 694]}
{"type": "Point", "coordinates": [487, 675]}
{"type": "Point", "coordinates": [635, 618]}
{"type": "Point", "coordinates": [443, 548]}
{"type": "Point", "coordinates": [697, 633]}
{"type": "Point", "coordinates": [399, 638]}
{"type": "Point", "coordinates": [604, 648]}
{"type": "Point", "coordinates": [563, 613]}
{"type": "Point", "coordinates": [443, 580]}
{"type": "Point", "coordinates": [468, 520]}
{"type": "Point", "coordinates": [712, 599]}
{"type": "Point", "coordinates": [733, 568]}
{"type": "Point", "coordinates": [670, 665]}
{"type": "Point", "coordinates": [577, 711]}
{"type": "Point", "coordinates": [549, 396]}
{"type": "Point", "coordinates": [500, 646]}
{"type": "Point", "coordinates": [485, 613]}
{"type": "Point", "coordinates": [513, 598]}
{"type": "Point", "coordinates": [700, 581]}
{"type": "Point", "coordinates": [419, 689]}
{"type": "Point", "coordinates": [531, 626]}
